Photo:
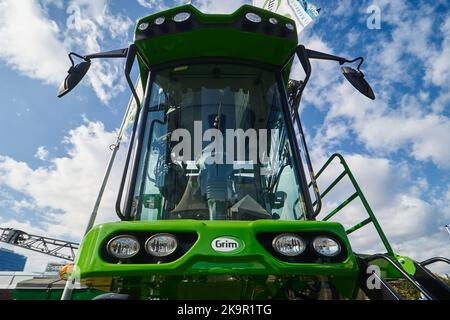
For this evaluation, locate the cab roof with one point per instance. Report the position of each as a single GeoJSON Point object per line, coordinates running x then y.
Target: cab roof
{"type": "Point", "coordinates": [161, 40]}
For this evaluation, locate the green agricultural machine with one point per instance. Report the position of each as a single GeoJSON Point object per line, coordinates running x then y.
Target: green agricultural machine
{"type": "Point", "coordinates": [218, 198]}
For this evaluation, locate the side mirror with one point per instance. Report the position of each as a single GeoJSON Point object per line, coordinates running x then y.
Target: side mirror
{"type": "Point", "coordinates": [356, 78]}
{"type": "Point", "coordinates": [76, 73]}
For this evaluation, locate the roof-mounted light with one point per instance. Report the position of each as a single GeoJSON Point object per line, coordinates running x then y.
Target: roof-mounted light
{"type": "Point", "coordinates": [181, 16]}
{"type": "Point", "coordinates": [143, 26]}
{"type": "Point", "coordinates": [273, 21]}
{"type": "Point", "coordinates": [290, 26]}
{"type": "Point", "coordinates": [159, 21]}
{"type": "Point", "coordinates": [253, 17]}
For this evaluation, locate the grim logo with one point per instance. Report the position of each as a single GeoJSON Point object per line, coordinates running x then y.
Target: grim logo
{"type": "Point", "coordinates": [225, 244]}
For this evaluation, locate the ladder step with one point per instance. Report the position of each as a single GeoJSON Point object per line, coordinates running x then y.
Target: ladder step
{"type": "Point", "coordinates": [436, 287]}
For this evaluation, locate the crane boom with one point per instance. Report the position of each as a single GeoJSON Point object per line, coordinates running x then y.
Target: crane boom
{"type": "Point", "coordinates": [49, 246]}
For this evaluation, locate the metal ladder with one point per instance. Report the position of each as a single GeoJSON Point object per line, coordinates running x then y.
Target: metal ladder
{"type": "Point", "coordinates": [423, 280]}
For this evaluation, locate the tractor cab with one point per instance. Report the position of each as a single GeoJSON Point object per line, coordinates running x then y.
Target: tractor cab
{"type": "Point", "coordinates": [216, 146]}
{"type": "Point", "coordinates": [216, 137]}
{"type": "Point", "coordinates": [215, 200]}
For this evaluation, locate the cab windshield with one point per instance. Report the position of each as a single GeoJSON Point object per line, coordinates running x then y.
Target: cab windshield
{"type": "Point", "coordinates": [216, 147]}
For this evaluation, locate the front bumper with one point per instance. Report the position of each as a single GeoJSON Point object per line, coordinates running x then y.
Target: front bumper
{"type": "Point", "coordinates": [201, 259]}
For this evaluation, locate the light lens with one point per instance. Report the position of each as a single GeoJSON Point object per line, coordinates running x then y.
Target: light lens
{"type": "Point", "coordinates": [289, 245]}
{"type": "Point", "coordinates": [326, 246]}
{"type": "Point", "coordinates": [273, 20]}
{"type": "Point", "coordinates": [143, 26]}
{"type": "Point", "coordinates": [253, 17]}
{"type": "Point", "coordinates": [159, 21]}
{"type": "Point", "coordinates": [161, 244]}
{"type": "Point", "coordinates": [290, 26]}
{"type": "Point", "coordinates": [123, 247]}
{"type": "Point", "coordinates": [181, 17]}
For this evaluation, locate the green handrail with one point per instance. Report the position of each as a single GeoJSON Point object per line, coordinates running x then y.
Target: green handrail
{"type": "Point", "coordinates": [358, 194]}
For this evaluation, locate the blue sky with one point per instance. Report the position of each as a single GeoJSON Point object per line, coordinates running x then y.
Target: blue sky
{"type": "Point", "coordinates": [54, 151]}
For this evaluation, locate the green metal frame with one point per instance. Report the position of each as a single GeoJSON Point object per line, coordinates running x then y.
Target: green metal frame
{"type": "Point", "coordinates": [201, 260]}
{"type": "Point", "coordinates": [357, 194]}
{"type": "Point", "coordinates": [227, 37]}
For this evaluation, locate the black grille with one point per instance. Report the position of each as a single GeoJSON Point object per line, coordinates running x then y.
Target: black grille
{"type": "Point", "coordinates": [309, 255]}
{"type": "Point", "coordinates": [185, 242]}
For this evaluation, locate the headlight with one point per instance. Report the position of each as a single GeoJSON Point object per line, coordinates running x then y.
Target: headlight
{"type": "Point", "coordinates": [161, 244]}
{"type": "Point", "coordinates": [290, 26]}
{"type": "Point", "coordinates": [273, 20]}
{"type": "Point", "coordinates": [181, 17]}
{"type": "Point", "coordinates": [326, 246]}
{"type": "Point", "coordinates": [143, 26]}
{"type": "Point", "coordinates": [289, 245]}
{"type": "Point", "coordinates": [123, 247]}
{"type": "Point", "coordinates": [253, 17]}
{"type": "Point", "coordinates": [159, 21]}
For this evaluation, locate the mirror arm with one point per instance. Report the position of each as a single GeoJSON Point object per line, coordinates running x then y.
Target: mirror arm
{"type": "Point", "coordinates": [303, 56]}
{"type": "Point", "coordinates": [130, 54]}
{"type": "Point", "coordinates": [76, 55]}
{"type": "Point", "coordinates": [325, 56]}
{"type": "Point", "coordinates": [120, 53]}
{"type": "Point", "coordinates": [360, 63]}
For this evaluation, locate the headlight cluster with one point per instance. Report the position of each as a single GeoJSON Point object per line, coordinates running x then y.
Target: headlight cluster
{"type": "Point", "coordinates": [178, 18]}
{"type": "Point", "coordinates": [248, 20]}
{"type": "Point", "coordinates": [127, 246]}
{"type": "Point", "coordinates": [292, 245]}
{"type": "Point", "coordinates": [254, 18]}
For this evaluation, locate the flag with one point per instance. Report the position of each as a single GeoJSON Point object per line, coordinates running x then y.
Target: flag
{"type": "Point", "coordinates": [301, 11]}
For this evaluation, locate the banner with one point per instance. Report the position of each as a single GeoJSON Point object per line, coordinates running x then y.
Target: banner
{"type": "Point", "coordinates": [301, 11]}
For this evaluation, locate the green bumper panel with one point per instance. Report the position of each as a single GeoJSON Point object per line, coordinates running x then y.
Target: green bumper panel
{"type": "Point", "coordinates": [251, 259]}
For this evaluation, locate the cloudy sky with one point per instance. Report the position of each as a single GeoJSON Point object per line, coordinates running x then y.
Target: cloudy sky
{"type": "Point", "coordinates": [53, 152]}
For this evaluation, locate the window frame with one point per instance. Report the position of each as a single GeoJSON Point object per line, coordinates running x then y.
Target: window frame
{"type": "Point", "coordinates": [141, 128]}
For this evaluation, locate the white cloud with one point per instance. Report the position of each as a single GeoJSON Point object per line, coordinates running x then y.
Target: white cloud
{"type": "Point", "coordinates": [36, 45]}
{"type": "Point", "coordinates": [57, 3]}
{"type": "Point", "coordinates": [41, 153]}
{"type": "Point", "coordinates": [30, 41]}
{"type": "Point", "coordinates": [23, 204]}
{"type": "Point", "coordinates": [385, 129]}
{"type": "Point", "coordinates": [343, 8]}
{"type": "Point", "coordinates": [65, 190]}
{"type": "Point", "coordinates": [409, 212]}
{"type": "Point", "coordinates": [399, 202]}
{"type": "Point", "coordinates": [438, 68]}
{"type": "Point", "coordinates": [409, 123]}
{"type": "Point", "coordinates": [152, 4]}
{"type": "Point", "coordinates": [211, 6]}
{"type": "Point", "coordinates": [89, 24]}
